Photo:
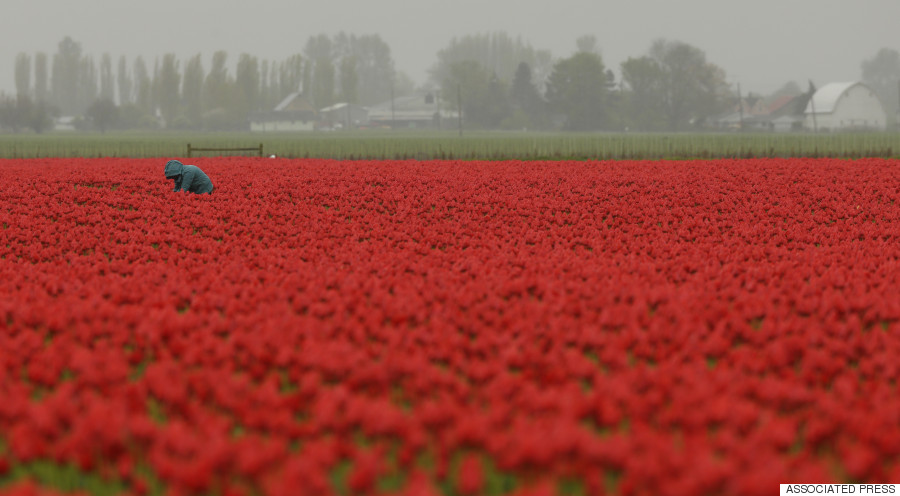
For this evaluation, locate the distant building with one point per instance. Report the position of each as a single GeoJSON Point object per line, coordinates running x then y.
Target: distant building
{"type": "Point", "coordinates": [845, 106]}
{"type": "Point", "coordinates": [344, 115]}
{"type": "Point", "coordinates": [752, 105]}
{"type": "Point", "coordinates": [294, 113]}
{"type": "Point", "coordinates": [730, 121]}
{"type": "Point", "coordinates": [64, 123]}
{"type": "Point", "coordinates": [786, 113]}
{"type": "Point", "coordinates": [838, 107]}
{"type": "Point", "coordinates": [417, 111]}
{"type": "Point", "coordinates": [783, 114]}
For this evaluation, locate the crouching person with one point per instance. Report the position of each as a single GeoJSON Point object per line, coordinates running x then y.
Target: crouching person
{"type": "Point", "coordinates": [188, 177]}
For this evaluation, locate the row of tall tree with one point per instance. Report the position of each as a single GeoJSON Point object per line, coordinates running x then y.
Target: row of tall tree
{"type": "Point", "coordinates": [187, 94]}
{"type": "Point", "coordinates": [496, 80]}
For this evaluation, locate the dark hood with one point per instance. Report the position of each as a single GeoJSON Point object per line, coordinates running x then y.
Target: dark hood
{"type": "Point", "coordinates": [174, 168]}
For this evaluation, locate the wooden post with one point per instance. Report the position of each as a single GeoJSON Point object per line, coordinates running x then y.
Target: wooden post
{"type": "Point", "coordinates": [189, 150]}
{"type": "Point", "coordinates": [260, 150]}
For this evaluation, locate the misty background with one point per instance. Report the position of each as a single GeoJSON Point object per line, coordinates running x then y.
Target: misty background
{"type": "Point", "coordinates": [764, 46]}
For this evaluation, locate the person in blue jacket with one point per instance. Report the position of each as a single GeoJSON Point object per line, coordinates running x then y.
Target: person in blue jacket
{"type": "Point", "coordinates": [188, 177]}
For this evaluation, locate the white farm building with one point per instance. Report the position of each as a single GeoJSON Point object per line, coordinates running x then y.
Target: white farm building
{"type": "Point", "coordinates": [844, 107]}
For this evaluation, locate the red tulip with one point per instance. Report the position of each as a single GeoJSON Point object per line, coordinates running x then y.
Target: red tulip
{"type": "Point", "coordinates": [640, 327]}
{"type": "Point", "coordinates": [471, 475]}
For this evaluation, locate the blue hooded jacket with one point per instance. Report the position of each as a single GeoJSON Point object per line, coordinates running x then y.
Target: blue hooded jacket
{"type": "Point", "coordinates": [188, 177]}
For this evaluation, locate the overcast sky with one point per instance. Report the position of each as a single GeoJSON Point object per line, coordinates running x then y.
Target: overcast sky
{"type": "Point", "coordinates": [761, 44]}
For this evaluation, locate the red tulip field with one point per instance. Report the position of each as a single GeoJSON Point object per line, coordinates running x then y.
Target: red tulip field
{"type": "Point", "coordinates": [321, 327]}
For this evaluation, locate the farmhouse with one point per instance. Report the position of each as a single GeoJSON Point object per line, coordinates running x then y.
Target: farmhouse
{"type": "Point", "coordinates": [344, 115]}
{"type": "Point", "coordinates": [786, 113]}
{"type": "Point", "coordinates": [294, 113]}
{"type": "Point", "coordinates": [417, 111]}
{"type": "Point", "coordinates": [754, 114]}
{"type": "Point", "coordinates": [64, 123]}
{"type": "Point", "coordinates": [844, 107]}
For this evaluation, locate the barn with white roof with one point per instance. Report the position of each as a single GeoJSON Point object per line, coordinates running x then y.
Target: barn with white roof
{"type": "Point", "coordinates": [845, 107]}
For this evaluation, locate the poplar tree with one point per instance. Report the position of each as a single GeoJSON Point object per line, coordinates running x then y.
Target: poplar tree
{"type": "Point", "coordinates": [107, 81]}
{"type": "Point", "coordinates": [349, 80]}
{"type": "Point", "coordinates": [291, 76]}
{"type": "Point", "coordinates": [41, 78]}
{"type": "Point", "coordinates": [168, 80]}
{"type": "Point", "coordinates": [23, 75]}
{"type": "Point", "coordinates": [142, 85]}
{"type": "Point", "coordinates": [192, 90]}
{"type": "Point", "coordinates": [65, 76]}
{"type": "Point", "coordinates": [322, 90]}
{"type": "Point", "coordinates": [246, 82]}
{"type": "Point", "coordinates": [215, 87]}
{"type": "Point", "coordinates": [86, 87]}
{"type": "Point", "coordinates": [124, 83]}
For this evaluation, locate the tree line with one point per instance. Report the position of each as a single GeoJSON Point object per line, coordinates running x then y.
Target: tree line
{"type": "Point", "coordinates": [673, 87]}
{"type": "Point", "coordinates": [178, 94]}
{"type": "Point", "coordinates": [495, 80]}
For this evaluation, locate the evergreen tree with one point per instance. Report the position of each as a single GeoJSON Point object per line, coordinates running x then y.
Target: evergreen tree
{"type": "Point", "coordinates": [216, 86]}
{"type": "Point", "coordinates": [124, 83]}
{"type": "Point", "coordinates": [103, 114]}
{"type": "Point", "coordinates": [167, 83]}
{"type": "Point", "coordinates": [497, 104]}
{"type": "Point", "coordinates": [264, 98]}
{"type": "Point", "coordinates": [107, 81]}
{"type": "Point", "coordinates": [470, 82]}
{"type": "Point", "coordinates": [87, 84]}
{"type": "Point", "coordinates": [23, 75]}
{"type": "Point", "coordinates": [318, 76]}
{"type": "Point", "coordinates": [692, 88]}
{"type": "Point", "coordinates": [218, 93]}
{"type": "Point", "coordinates": [192, 90]}
{"type": "Point", "coordinates": [291, 77]}
{"type": "Point", "coordinates": [373, 68]}
{"type": "Point", "coordinates": [274, 95]}
{"type": "Point", "coordinates": [525, 98]}
{"type": "Point", "coordinates": [882, 73]}
{"type": "Point", "coordinates": [154, 88]}
{"type": "Point", "coordinates": [366, 61]}
{"type": "Point", "coordinates": [498, 53]}
{"type": "Point", "coordinates": [65, 76]}
{"type": "Point", "coordinates": [643, 103]}
{"type": "Point", "coordinates": [142, 86]}
{"type": "Point", "coordinates": [577, 90]}
{"type": "Point", "coordinates": [322, 90]}
{"type": "Point", "coordinates": [41, 78]}
{"type": "Point", "coordinates": [349, 80]}
{"type": "Point", "coordinates": [246, 97]}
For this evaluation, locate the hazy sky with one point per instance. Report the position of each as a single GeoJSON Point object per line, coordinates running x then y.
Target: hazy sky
{"type": "Point", "coordinates": [760, 43]}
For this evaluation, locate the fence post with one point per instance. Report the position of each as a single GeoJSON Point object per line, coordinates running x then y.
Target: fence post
{"type": "Point", "coordinates": [189, 151]}
{"type": "Point", "coordinates": [260, 150]}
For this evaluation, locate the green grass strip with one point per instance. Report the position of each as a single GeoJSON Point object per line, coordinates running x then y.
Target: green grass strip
{"type": "Point", "coordinates": [475, 145]}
